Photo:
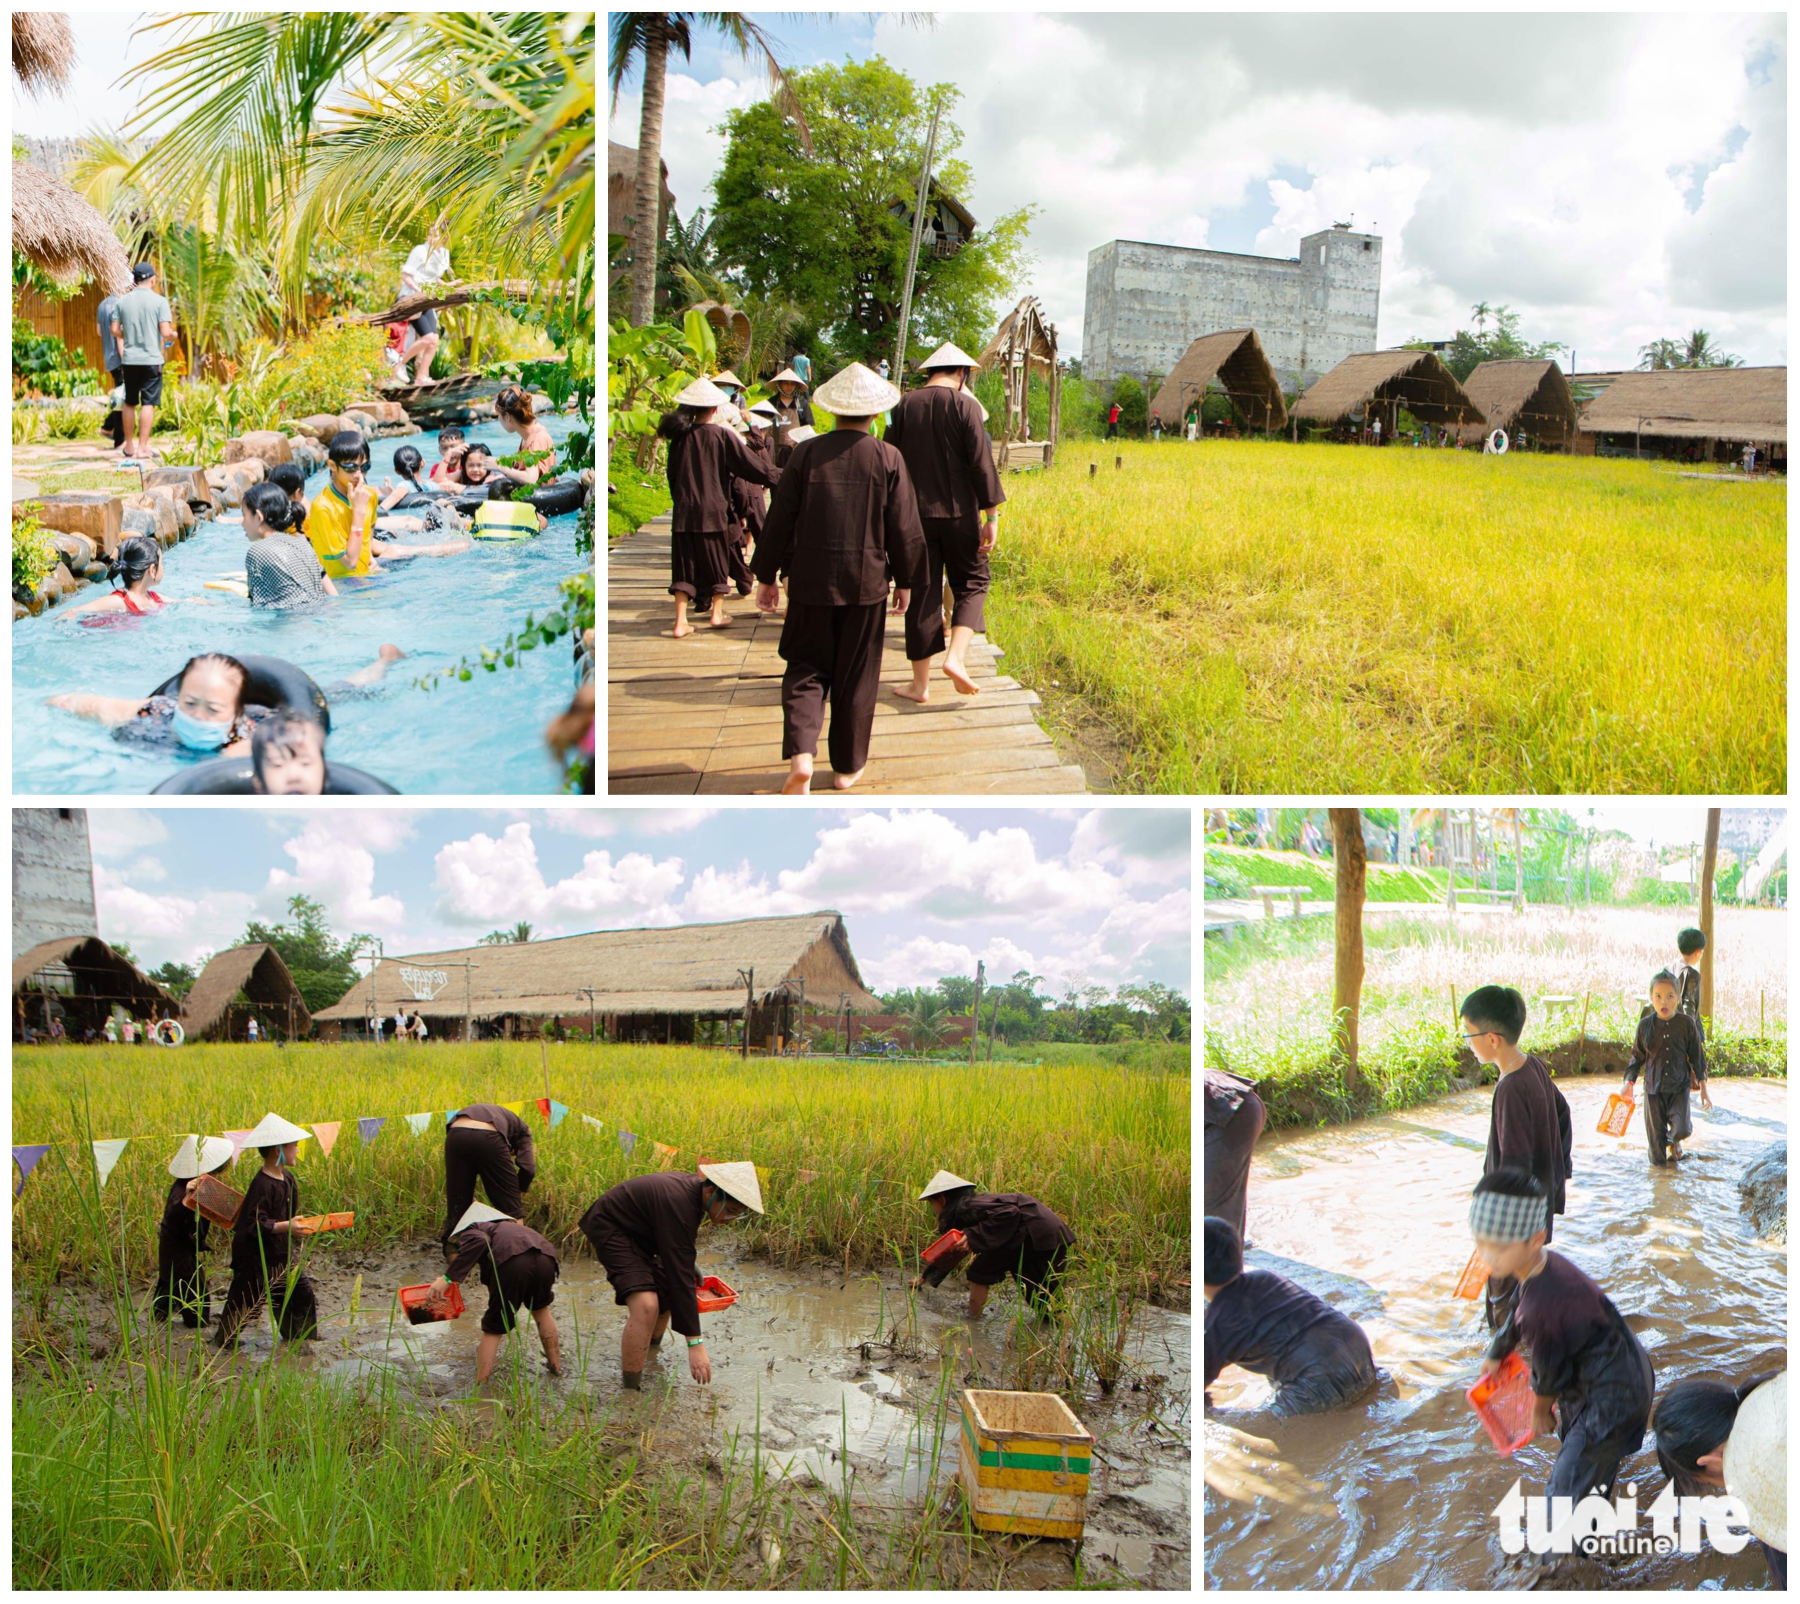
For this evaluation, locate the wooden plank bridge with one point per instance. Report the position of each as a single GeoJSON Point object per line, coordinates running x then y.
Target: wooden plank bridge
{"type": "Point", "coordinates": [701, 716]}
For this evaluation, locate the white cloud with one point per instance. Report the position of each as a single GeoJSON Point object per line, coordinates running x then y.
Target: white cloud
{"type": "Point", "coordinates": [490, 880]}
{"type": "Point", "coordinates": [668, 821]}
{"type": "Point", "coordinates": [119, 832]}
{"type": "Point", "coordinates": [331, 864]}
{"type": "Point", "coordinates": [588, 822]}
{"type": "Point", "coordinates": [157, 925]}
{"type": "Point", "coordinates": [150, 870]}
{"type": "Point", "coordinates": [716, 895]}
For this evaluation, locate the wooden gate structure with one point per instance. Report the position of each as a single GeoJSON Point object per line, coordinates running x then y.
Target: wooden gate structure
{"type": "Point", "coordinates": [1023, 341]}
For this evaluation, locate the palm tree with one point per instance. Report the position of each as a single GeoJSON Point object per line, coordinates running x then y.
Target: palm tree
{"type": "Point", "coordinates": [518, 935]}
{"type": "Point", "coordinates": [1481, 312]}
{"type": "Point", "coordinates": [645, 38]}
{"type": "Point", "coordinates": [1700, 352]}
{"type": "Point", "coordinates": [925, 1015]}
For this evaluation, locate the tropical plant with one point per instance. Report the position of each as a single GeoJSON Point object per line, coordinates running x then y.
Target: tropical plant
{"type": "Point", "coordinates": [331, 367]}
{"type": "Point", "coordinates": [27, 425]}
{"type": "Point", "coordinates": [1696, 351]}
{"type": "Point", "coordinates": [646, 368]}
{"type": "Point", "coordinates": [43, 365]}
{"type": "Point", "coordinates": [32, 554]}
{"type": "Point", "coordinates": [520, 933]}
{"type": "Point", "coordinates": [927, 1017]}
{"type": "Point", "coordinates": [1501, 342]}
{"type": "Point", "coordinates": [70, 423]}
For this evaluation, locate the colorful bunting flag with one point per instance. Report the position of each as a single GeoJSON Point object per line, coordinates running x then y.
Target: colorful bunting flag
{"type": "Point", "coordinates": [517, 1108]}
{"type": "Point", "coordinates": [543, 1106]}
{"type": "Point", "coordinates": [370, 1127]}
{"type": "Point", "coordinates": [327, 1132]}
{"type": "Point", "coordinates": [664, 1154]}
{"type": "Point", "coordinates": [627, 1141]}
{"type": "Point", "coordinates": [27, 1159]}
{"type": "Point", "coordinates": [419, 1122]}
{"type": "Point", "coordinates": [450, 1117]}
{"type": "Point", "coordinates": [558, 1112]}
{"type": "Point", "coordinates": [106, 1155]}
{"type": "Point", "coordinates": [598, 1125]}
{"type": "Point", "coordinates": [236, 1138]}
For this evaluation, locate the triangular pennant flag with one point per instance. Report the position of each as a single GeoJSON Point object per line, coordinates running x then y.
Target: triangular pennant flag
{"type": "Point", "coordinates": [517, 1108]}
{"type": "Point", "coordinates": [808, 1175]}
{"type": "Point", "coordinates": [236, 1138]}
{"type": "Point", "coordinates": [449, 1117]}
{"type": "Point", "coordinates": [558, 1112]}
{"type": "Point", "coordinates": [627, 1141]}
{"type": "Point", "coordinates": [664, 1154]}
{"type": "Point", "coordinates": [26, 1158]}
{"type": "Point", "coordinates": [327, 1132]}
{"type": "Point", "coordinates": [106, 1155]}
{"type": "Point", "coordinates": [370, 1127]}
{"type": "Point", "coordinates": [419, 1122]}
{"type": "Point", "coordinates": [597, 1124]}
{"type": "Point", "coordinates": [543, 1106]}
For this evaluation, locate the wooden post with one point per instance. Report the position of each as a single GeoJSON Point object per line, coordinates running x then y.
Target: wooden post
{"type": "Point", "coordinates": [975, 1024]}
{"type": "Point", "coordinates": [544, 1059]}
{"type": "Point", "coordinates": [912, 255]}
{"type": "Point", "coordinates": [1346, 998]}
{"type": "Point", "coordinates": [1518, 864]}
{"type": "Point", "coordinates": [1581, 1051]}
{"type": "Point", "coordinates": [749, 1003]}
{"type": "Point", "coordinates": [1706, 913]}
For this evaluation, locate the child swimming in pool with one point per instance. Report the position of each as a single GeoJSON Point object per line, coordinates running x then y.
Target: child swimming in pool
{"type": "Point", "coordinates": [1587, 1366]}
{"type": "Point", "coordinates": [1317, 1358]}
{"type": "Point", "coordinates": [446, 472]}
{"type": "Point", "coordinates": [135, 568]}
{"type": "Point", "coordinates": [341, 521]}
{"type": "Point", "coordinates": [287, 757]}
{"type": "Point", "coordinates": [291, 479]}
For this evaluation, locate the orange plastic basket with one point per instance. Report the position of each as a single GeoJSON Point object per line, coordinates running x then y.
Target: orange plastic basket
{"type": "Point", "coordinates": [951, 1246]}
{"type": "Point", "coordinates": [1504, 1401]}
{"type": "Point", "coordinates": [217, 1201]}
{"type": "Point", "coordinates": [328, 1222]}
{"type": "Point", "coordinates": [714, 1295]}
{"type": "Point", "coordinates": [1616, 1120]}
{"type": "Point", "coordinates": [1473, 1278]}
{"type": "Point", "coordinates": [422, 1308]}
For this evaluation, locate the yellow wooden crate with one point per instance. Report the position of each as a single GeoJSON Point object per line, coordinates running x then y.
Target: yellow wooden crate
{"type": "Point", "coordinates": [1024, 1465]}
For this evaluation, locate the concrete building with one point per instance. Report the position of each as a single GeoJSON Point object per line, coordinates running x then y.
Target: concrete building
{"type": "Point", "coordinates": [53, 877]}
{"type": "Point", "coordinates": [1146, 304]}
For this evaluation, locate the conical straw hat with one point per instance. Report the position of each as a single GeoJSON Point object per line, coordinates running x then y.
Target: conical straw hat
{"type": "Point", "coordinates": [943, 1181]}
{"type": "Point", "coordinates": [702, 393]}
{"type": "Point", "coordinates": [737, 1180]}
{"type": "Point", "coordinates": [755, 419]}
{"type": "Point", "coordinates": [199, 1155]}
{"type": "Point", "coordinates": [948, 356]}
{"type": "Point", "coordinates": [1756, 1461]}
{"type": "Point", "coordinates": [856, 393]}
{"type": "Point", "coordinates": [728, 377]}
{"type": "Point", "coordinates": [730, 417]}
{"type": "Point", "coordinates": [274, 1131]}
{"type": "Point", "coordinates": [765, 409]}
{"type": "Point", "coordinates": [477, 1214]}
{"type": "Point", "coordinates": [789, 376]}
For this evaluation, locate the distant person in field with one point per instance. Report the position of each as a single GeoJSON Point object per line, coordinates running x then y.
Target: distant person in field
{"type": "Point", "coordinates": [181, 1238]}
{"type": "Point", "coordinates": [519, 1267]}
{"type": "Point", "coordinates": [1316, 1357]}
{"type": "Point", "coordinates": [1690, 945]}
{"type": "Point", "coordinates": [644, 1232]}
{"type": "Point", "coordinates": [1112, 421]}
{"type": "Point", "coordinates": [937, 430]}
{"type": "Point", "coordinates": [485, 1143]}
{"type": "Point", "coordinates": [262, 1238]}
{"type": "Point", "coordinates": [1156, 427]}
{"type": "Point", "coordinates": [1529, 1128]}
{"type": "Point", "coordinates": [1234, 1120]}
{"type": "Point", "coordinates": [705, 458]}
{"type": "Point", "coordinates": [1009, 1233]}
{"type": "Point", "coordinates": [1670, 1051]}
{"type": "Point", "coordinates": [843, 527]}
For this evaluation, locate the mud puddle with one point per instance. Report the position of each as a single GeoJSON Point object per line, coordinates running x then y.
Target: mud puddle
{"type": "Point", "coordinates": [823, 1373]}
{"type": "Point", "coordinates": [1398, 1493]}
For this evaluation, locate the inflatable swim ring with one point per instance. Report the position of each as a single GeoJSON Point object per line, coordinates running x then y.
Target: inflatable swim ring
{"type": "Point", "coordinates": [553, 500]}
{"type": "Point", "coordinates": [505, 520]}
{"type": "Point", "coordinates": [231, 776]}
{"type": "Point", "coordinates": [168, 1033]}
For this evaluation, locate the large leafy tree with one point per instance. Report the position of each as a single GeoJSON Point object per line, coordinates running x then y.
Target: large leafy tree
{"type": "Point", "coordinates": [323, 967]}
{"type": "Point", "coordinates": [821, 228]}
{"type": "Point", "coordinates": [1697, 351]}
{"type": "Point", "coordinates": [1495, 338]}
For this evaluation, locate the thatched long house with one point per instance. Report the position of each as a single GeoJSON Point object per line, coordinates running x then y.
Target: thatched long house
{"type": "Point", "coordinates": [241, 984]}
{"type": "Point", "coordinates": [1379, 383]}
{"type": "Point", "coordinates": [1707, 412]}
{"type": "Point", "coordinates": [1235, 359]}
{"type": "Point", "coordinates": [626, 985]}
{"type": "Point", "coordinates": [80, 980]}
{"type": "Point", "coordinates": [1523, 396]}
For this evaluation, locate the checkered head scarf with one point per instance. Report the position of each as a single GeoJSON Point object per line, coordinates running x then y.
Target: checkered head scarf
{"type": "Point", "coordinates": [1495, 1217]}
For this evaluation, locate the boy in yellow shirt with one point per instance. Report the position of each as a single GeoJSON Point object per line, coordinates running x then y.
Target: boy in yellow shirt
{"type": "Point", "coordinates": [340, 523]}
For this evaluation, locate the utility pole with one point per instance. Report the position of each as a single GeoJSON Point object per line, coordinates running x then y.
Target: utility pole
{"type": "Point", "coordinates": [918, 229]}
{"type": "Point", "coordinates": [844, 1029]}
{"type": "Point", "coordinates": [749, 979]}
{"type": "Point", "coordinates": [800, 1034]}
{"type": "Point", "coordinates": [975, 1030]}
{"type": "Point", "coordinates": [593, 1027]}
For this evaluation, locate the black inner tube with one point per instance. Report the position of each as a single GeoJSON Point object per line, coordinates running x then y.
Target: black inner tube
{"type": "Point", "coordinates": [232, 776]}
{"type": "Point", "coordinates": [274, 683]}
{"type": "Point", "coordinates": [554, 499]}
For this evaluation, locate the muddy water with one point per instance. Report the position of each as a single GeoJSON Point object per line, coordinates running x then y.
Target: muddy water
{"type": "Point", "coordinates": [1397, 1493]}
{"type": "Point", "coordinates": [807, 1358]}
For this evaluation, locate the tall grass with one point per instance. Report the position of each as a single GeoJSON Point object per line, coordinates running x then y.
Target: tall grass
{"type": "Point", "coordinates": [1107, 1147]}
{"type": "Point", "coordinates": [1255, 616]}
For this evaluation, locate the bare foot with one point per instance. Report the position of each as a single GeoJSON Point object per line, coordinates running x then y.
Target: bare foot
{"type": "Point", "coordinates": [723, 621]}
{"type": "Point", "coordinates": [959, 677]}
{"type": "Point", "coordinates": [844, 781]}
{"type": "Point", "coordinates": [914, 692]}
{"type": "Point", "coordinates": [797, 785]}
{"type": "Point", "coordinates": [682, 629]}
{"type": "Point", "coordinates": [390, 654]}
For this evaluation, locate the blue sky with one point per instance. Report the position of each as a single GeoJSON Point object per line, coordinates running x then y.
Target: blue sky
{"type": "Point", "coordinates": [1080, 896]}
{"type": "Point", "coordinates": [1613, 178]}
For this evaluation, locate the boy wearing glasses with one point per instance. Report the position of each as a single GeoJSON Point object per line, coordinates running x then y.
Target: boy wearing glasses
{"type": "Point", "coordinates": [1530, 1129]}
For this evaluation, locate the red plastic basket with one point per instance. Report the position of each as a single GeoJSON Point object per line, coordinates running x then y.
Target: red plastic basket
{"type": "Point", "coordinates": [328, 1222]}
{"type": "Point", "coordinates": [714, 1295]}
{"type": "Point", "coordinates": [952, 1245]}
{"type": "Point", "coordinates": [217, 1201]}
{"type": "Point", "coordinates": [1504, 1401]}
{"type": "Point", "coordinates": [1473, 1278]}
{"type": "Point", "coordinates": [422, 1308]}
{"type": "Point", "coordinates": [1616, 1120]}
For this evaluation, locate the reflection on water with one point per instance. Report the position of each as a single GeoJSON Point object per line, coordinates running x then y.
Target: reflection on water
{"type": "Point", "coordinates": [1397, 1492]}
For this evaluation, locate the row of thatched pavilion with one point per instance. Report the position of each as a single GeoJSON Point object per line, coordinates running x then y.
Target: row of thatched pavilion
{"type": "Point", "coordinates": [1720, 408]}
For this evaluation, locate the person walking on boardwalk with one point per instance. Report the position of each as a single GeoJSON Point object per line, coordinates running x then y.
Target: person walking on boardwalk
{"type": "Point", "coordinates": [792, 410]}
{"type": "Point", "coordinates": [644, 1231]}
{"type": "Point", "coordinates": [704, 458]}
{"type": "Point", "coordinates": [938, 432]}
{"type": "Point", "coordinates": [493, 1144]}
{"type": "Point", "coordinates": [843, 527]}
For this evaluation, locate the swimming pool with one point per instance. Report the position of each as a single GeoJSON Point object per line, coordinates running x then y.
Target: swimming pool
{"type": "Point", "coordinates": [482, 737]}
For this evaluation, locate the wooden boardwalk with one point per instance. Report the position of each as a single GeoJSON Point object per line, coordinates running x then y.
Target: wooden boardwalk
{"type": "Point", "coordinates": [701, 716]}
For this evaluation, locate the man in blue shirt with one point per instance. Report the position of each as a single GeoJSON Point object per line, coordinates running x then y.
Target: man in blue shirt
{"type": "Point", "coordinates": [144, 329]}
{"type": "Point", "coordinates": [109, 347]}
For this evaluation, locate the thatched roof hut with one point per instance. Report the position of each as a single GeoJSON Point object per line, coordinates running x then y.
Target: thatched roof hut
{"type": "Point", "coordinates": [1741, 405]}
{"type": "Point", "coordinates": [43, 51]}
{"type": "Point", "coordinates": [1236, 359]}
{"type": "Point", "coordinates": [621, 189]}
{"type": "Point", "coordinates": [642, 982]}
{"type": "Point", "coordinates": [257, 972]}
{"type": "Point", "coordinates": [1528, 395]}
{"type": "Point", "coordinates": [1024, 342]}
{"type": "Point", "coordinates": [80, 979]}
{"type": "Point", "coordinates": [62, 235]}
{"type": "Point", "coordinates": [1387, 380]}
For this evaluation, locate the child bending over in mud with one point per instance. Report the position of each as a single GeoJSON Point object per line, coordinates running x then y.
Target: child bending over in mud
{"type": "Point", "coordinates": [1670, 1051]}
{"type": "Point", "coordinates": [1589, 1373]}
{"type": "Point", "coordinates": [1317, 1358]}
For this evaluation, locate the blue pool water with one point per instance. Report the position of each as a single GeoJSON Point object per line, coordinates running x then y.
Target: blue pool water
{"type": "Point", "coordinates": [483, 737]}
